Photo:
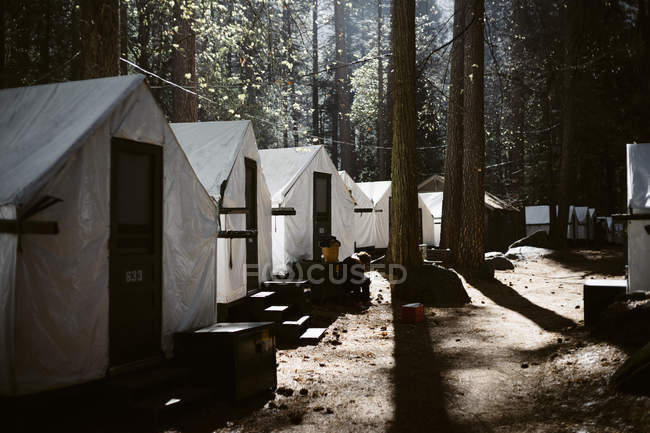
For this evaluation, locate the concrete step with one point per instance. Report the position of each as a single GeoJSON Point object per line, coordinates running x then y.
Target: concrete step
{"type": "Point", "coordinates": [258, 302]}
{"type": "Point", "coordinates": [287, 289]}
{"type": "Point", "coordinates": [276, 313]}
{"type": "Point", "coordinates": [312, 335]}
{"type": "Point", "coordinates": [290, 330]}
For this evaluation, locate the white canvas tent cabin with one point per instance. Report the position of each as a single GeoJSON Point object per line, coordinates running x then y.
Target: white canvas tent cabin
{"type": "Point", "coordinates": [108, 240]}
{"type": "Point", "coordinates": [225, 157]}
{"type": "Point", "coordinates": [364, 232]}
{"type": "Point", "coordinates": [503, 221]}
{"type": "Point", "coordinates": [538, 218]}
{"type": "Point", "coordinates": [582, 223]}
{"type": "Point", "coordinates": [638, 218]}
{"type": "Point", "coordinates": [433, 201]}
{"type": "Point", "coordinates": [305, 179]}
{"type": "Point", "coordinates": [380, 193]}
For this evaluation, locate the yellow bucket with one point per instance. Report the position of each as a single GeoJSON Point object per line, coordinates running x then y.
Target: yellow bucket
{"type": "Point", "coordinates": [331, 254]}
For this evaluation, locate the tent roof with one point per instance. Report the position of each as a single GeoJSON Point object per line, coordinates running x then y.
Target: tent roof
{"type": "Point", "coordinates": [360, 198]}
{"type": "Point", "coordinates": [495, 203]}
{"type": "Point", "coordinates": [212, 148]}
{"type": "Point", "coordinates": [375, 190]}
{"type": "Point", "coordinates": [433, 200]}
{"type": "Point", "coordinates": [581, 213]}
{"type": "Point", "coordinates": [40, 126]}
{"type": "Point", "coordinates": [434, 183]}
{"type": "Point", "coordinates": [284, 165]}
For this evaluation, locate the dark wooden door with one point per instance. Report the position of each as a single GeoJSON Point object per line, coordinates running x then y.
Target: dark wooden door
{"type": "Point", "coordinates": [322, 209]}
{"type": "Point", "coordinates": [252, 279]}
{"type": "Point", "coordinates": [135, 258]}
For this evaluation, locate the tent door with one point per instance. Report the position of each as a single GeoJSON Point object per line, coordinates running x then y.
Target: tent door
{"type": "Point", "coordinates": [252, 279]}
{"type": "Point", "coordinates": [135, 257]}
{"type": "Point", "coordinates": [322, 209]}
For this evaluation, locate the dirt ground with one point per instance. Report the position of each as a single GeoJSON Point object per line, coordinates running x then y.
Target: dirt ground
{"type": "Point", "coordinates": [517, 359]}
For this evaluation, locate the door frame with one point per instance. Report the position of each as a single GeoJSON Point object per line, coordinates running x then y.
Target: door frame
{"type": "Point", "coordinates": [252, 164]}
{"type": "Point", "coordinates": [130, 146]}
{"type": "Point", "coordinates": [315, 234]}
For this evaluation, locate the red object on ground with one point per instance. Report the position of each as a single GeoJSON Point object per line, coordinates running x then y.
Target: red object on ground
{"type": "Point", "coordinates": [412, 313]}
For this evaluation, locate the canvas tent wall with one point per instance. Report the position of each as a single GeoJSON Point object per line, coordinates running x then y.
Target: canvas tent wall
{"type": "Point", "coordinates": [80, 142]}
{"type": "Point", "coordinates": [379, 193]}
{"type": "Point", "coordinates": [292, 175]}
{"type": "Point", "coordinates": [537, 218]}
{"type": "Point", "coordinates": [582, 223]}
{"type": "Point", "coordinates": [364, 231]}
{"type": "Point", "coordinates": [220, 152]}
{"type": "Point", "coordinates": [433, 201]}
{"type": "Point", "coordinates": [638, 227]}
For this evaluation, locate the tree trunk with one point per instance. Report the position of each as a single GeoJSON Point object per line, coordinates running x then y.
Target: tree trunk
{"type": "Point", "coordinates": [3, 54]}
{"type": "Point", "coordinates": [452, 197]}
{"type": "Point", "coordinates": [381, 154]}
{"type": "Point", "coordinates": [403, 243]}
{"type": "Point", "coordinates": [574, 11]}
{"type": "Point", "coordinates": [124, 35]}
{"type": "Point", "coordinates": [286, 26]}
{"type": "Point", "coordinates": [390, 98]}
{"type": "Point", "coordinates": [44, 39]}
{"type": "Point", "coordinates": [472, 231]}
{"type": "Point", "coordinates": [334, 150]}
{"type": "Point", "coordinates": [184, 104]}
{"type": "Point", "coordinates": [342, 90]}
{"type": "Point", "coordinates": [100, 38]}
{"type": "Point", "coordinates": [144, 33]}
{"type": "Point", "coordinates": [314, 78]}
{"type": "Point", "coordinates": [516, 167]}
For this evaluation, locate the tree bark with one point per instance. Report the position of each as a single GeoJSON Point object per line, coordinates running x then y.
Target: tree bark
{"type": "Point", "coordinates": [516, 168]}
{"type": "Point", "coordinates": [100, 40]}
{"type": "Point", "coordinates": [286, 26]}
{"type": "Point", "coordinates": [44, 38]}
{"type": "Point", "coordinates": [472, 231]}
{"type": "Point", "coordinates": [185, 105]}
{"type": "Point", "coordinates": [124, 36]}
{"type": "Point", "coordinates": [315, 115]}
{"type": "Point", "coordinates": [452, 197]}
{"type": "Point", "coordinates": [403, 244]}
{"type": "Point", "coordinates": [342, 89]}
{"type": "Point", "coordinates": [390, 97]}
{"type": "Point", "coordinates": [3, 54]}
{"type": "Point", "coordinates": [144, 33]}
{"type": "Point", "coordinates": [381, 154]}
{"type": "Point", "coordinates": [574, 10]}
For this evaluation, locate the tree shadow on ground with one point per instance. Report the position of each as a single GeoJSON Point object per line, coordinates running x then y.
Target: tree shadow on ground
{"type": "Point", "coordinates": [609, 261]}
{"type": "Point", "coordinates": [509, 298]}
{"type": "Point", "coordinates": [418, 391]}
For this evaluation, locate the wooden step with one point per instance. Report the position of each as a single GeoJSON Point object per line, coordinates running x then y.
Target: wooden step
{"type": "Point", "coordinates": [276, 313]}
{"type": "Point", "coordinates": [312, 335]}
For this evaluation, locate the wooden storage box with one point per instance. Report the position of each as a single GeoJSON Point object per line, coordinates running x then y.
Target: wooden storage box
{"type": "Point", "coordinates": [412, 313]}
{"type": "Point", "coordinates": [237, 358]}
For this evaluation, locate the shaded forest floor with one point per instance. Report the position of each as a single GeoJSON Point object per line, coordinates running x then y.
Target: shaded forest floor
{"type": "Point", "coordinates": [517, 359]}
